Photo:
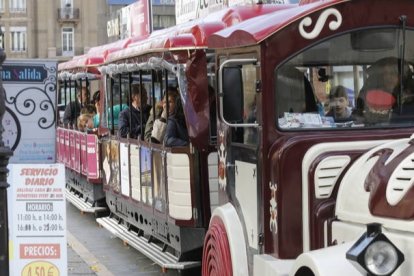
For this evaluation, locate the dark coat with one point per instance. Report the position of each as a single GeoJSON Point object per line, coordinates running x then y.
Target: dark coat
{"type": "Point", "coordinates": [176, 133]}
{"type": "Point", "coordinates": [123, 121]}
{"type": "Point", "coordinates": [72, 112]}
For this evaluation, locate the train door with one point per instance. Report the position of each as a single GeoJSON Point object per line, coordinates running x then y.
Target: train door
{"type": "Point", "coordinates": [238, 141]}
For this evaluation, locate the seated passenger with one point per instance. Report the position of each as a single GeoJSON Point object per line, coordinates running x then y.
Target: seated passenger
{"type": "Point", "coordinates": [155, 129]}
{"type": "Point", "coordinates": [72, 110]}
{"type": "Point", "coordinates": [85, 122]}
{"type": "Point", "coordinates": [339, 107]}
{"type": "Point", "coordinates": [152, 118]}
{"type": "Point", "coordinates": [384, 75]}
{"type": "Point", "coordinates": [176, 133]}
{"type": "Point", "coordinates": [116, 109]}
{"type": "Point", "coordinates": [130, 118]}
{"type": "Point", "coordinates": [88, 109]}
{"type": "Point", "coordinates": [96, 100]}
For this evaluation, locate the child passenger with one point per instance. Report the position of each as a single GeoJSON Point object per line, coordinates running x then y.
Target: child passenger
{"type": "Point", "coordinates": [85, 122]}
{"type": "Point", "coordinates": [339, 107]}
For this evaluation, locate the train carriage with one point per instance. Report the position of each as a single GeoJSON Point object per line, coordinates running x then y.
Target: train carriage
{"type": "Point", "coordinates": [79, 150]}
{"type": "Point", "coordinates": [295, 181]}
{"type": "Point", "coordinates": [163, 193]}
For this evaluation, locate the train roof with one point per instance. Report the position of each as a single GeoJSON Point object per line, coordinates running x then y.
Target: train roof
{"type": "Point", "coordinates": [95, 56]}
{"type": "Point", "coordinates": [253, 31]}
{"type": "Point", "coordinates": [232, 27]}
{"type": "Point", "coordinates": [194, 34]}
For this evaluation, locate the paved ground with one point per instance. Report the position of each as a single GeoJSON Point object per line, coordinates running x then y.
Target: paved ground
{"type": "Point", "coordinates": [93, 250]}
{"type": "Point", "coordinates": [77, 266]}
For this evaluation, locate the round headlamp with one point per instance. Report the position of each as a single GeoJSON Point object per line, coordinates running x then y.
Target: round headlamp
{"type": "Point", "coordinates": [381, 258]}
{"type": "Point", "coordinates": [374, 253]}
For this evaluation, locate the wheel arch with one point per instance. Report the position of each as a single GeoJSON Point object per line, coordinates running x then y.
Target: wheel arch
{"type": "Point", "coordinates": [227, 215]}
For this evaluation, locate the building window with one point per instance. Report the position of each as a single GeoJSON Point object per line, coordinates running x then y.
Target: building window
{"type": "Point", "coordinates": [1, 5]}
{"type": "Point", "coordinates": [18, 38]}
{"type": "Point", "coordinates": [66, 10]}
{"type": "Point", "coordinates": [67, 41]}
{"type": "Point", "coordinates": [2, 37]}
{"type": "Point", "coordinates": [66, 3]}
{"type": "Point", "coordinates": [17, 5]}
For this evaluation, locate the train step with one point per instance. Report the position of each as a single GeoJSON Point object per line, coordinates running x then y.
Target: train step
{"type": "Point", "coordinates": [81, 204]}
{"type": "Point", "coordinates": [151, 250]}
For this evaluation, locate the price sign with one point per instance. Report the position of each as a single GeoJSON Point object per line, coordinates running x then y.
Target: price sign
{"type": "Point", "coordinates": [37, 216]}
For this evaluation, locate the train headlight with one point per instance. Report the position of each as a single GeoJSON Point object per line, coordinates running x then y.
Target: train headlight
{"type": "Point", "coordinates": [381, 258]}
{"type": "Point", "coordinates": [375, 253]}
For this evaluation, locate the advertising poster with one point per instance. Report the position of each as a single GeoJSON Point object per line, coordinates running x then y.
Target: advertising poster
{"type": "Point", "coordinates": [146, 172]}
{"type": "Point", "coordinates": [83, 154]}
{"type": "Point", "coordinates": [124, 151]}
{"type": "Point", "coordinates": [92, 156]}
{"type": "Point", "coordinates": [29, 121]}
{"type": "Point", "coordinates": [37, 210]}
{"type": "Point", "coordinates": [139, 18]}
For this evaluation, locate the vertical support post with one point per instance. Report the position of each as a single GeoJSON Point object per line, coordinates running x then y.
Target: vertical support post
{"type": "Point", "coordinates": [5, 154]}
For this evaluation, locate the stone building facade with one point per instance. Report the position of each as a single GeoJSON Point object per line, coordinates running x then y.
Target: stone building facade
{"type": "Point", "coordinates": [60, 29]}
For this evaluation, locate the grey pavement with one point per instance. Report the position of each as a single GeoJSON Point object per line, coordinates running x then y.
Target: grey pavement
{"type": "Point", "coordinates": [76, 265]}
{"type": "Point", "coordinates": [93, 250]}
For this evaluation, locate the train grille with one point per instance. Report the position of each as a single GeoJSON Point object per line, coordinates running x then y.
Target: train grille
{"type": "Point", "coordinates": [400, 181]}
{"type": "Point", "coordinates": [327, 173]}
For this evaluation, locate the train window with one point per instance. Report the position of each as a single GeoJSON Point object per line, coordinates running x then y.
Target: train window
{"type": "Point", "coordinates": [233, 95]}
{"type": "Point", "coordinates": [117, 93]}
{"type": "Point", "coordinates": [348, 81]}
{"type": "Point", "coordinates": [239, 101]}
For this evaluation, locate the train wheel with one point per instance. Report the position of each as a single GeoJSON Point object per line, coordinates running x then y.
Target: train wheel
{"type": "Point", "coordinates": [216, 251]}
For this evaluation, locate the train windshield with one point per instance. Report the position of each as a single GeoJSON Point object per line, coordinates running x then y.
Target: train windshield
{"type": "Point", "coordinates": [360, 79]}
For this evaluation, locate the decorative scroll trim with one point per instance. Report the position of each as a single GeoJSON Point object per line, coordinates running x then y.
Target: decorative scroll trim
{"type": "Point", "coordinates": [273, 208]}
{"type": "Point", "coordinates": [222, 154]}
{"type": "Point", "coordinates": [333, 25]}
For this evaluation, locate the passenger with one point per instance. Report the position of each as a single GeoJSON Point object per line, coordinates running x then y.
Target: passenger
{"type": "Point", "coordinates": [88, 109]}
{"type": "Point", "coordinates": [384, 76]}
{"type": "Point", "coordinates": [150, 123]}
{"type": "Point", "coordinates": [85, 122]}
{"type": "Point", "coordinates": [339, 107]}
{"type": "Point", "coordinates": [96, 100]}
{"type": "Point", "coordinates": [156, 129]}
{"type": "Point", "coordinates": [134, 130]}
{"type": "Point", "coordinates": [73, 109]}
{"type": "Point", "coordinates": [116, 109]}
{"type": "Point", "coordinates": [176, 133]}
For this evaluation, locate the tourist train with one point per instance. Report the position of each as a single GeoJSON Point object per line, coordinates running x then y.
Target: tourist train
{"type": "Point", "coordinates": [274, 180]}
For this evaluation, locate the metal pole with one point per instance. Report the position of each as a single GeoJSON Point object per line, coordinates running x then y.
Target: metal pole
{"type": "Point", "coordinates": [5, 154]}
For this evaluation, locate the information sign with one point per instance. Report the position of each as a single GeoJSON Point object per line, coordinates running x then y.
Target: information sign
{"type": "Point", "coordinates": [37, 210]}
{"type": "Point", "coordinates": [30, 117]}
